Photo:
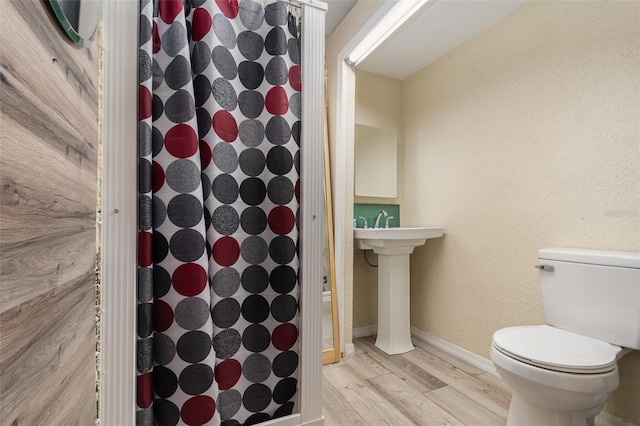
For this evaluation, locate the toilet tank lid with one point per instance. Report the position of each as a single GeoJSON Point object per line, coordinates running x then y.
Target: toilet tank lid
{"type": "Point", "coordinates": [592, 257]}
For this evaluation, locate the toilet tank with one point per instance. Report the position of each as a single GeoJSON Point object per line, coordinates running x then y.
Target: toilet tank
{"type": "Point", "coordinates": [593, 293]}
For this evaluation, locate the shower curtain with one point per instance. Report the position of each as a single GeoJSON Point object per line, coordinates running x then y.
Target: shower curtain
{"type": "Point", "coordinates": [219, 135]}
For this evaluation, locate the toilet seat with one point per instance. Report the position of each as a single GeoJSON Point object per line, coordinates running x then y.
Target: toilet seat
{"type": "Point", "coordinates": [555, 349]}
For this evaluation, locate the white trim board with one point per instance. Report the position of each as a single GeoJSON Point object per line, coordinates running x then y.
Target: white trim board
{"type": "Point", "coordinates": [369, 330]}
{"type": "Point", "coordinates": [469, 357]}
{"type": "Point", "coordinates": [117, 387]}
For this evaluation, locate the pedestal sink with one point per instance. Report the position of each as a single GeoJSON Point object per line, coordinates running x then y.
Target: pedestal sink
{"type": "Point", "coordinates": [393, 246]}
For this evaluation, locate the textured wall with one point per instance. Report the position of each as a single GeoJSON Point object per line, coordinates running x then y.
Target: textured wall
{"type": "Point", "coordinates": [526, 136]}
{"type": "Point", "coordinates": [348, 28]}
{"type": "Point", "coordinates": [48, 117]}
{"type": "Point", "coordinates": [378, 103]}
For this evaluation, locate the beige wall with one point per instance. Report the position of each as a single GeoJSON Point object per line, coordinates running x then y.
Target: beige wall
{"type": "Point", "coordinates": [348, 28]}
{"type": "Point", "coordinates": [48, 170]}
{"type": "Point", "coordinates": [378, 103]}
{"type": "Point", "coordinates": [526, 136]}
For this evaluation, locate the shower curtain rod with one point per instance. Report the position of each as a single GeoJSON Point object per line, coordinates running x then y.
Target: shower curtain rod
{"type": "Point", "coordinates": [299, 3]}
{"type": "Point", "coordinates": [289, 2]}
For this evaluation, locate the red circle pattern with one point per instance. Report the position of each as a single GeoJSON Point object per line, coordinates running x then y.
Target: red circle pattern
{"type": "Point", "coordinates": [158, 177]}
{"type": "Point", "coordinates": [284, 336]}
{"type": "Point", "coordinates": [281, 220]}
{"type": "Point", "coordinates": [201, 24]}
{"type": "Point", "coordinates": [227, 373]}
{"type": "Point", "coordinates": [169, 9]}
{"type": "Point", "coordinates": [144, 385]}
{"type": "Point", "coordinates": [226, 251]}
{"type": "Point", "coordinates": [145, 101]}
{"type": "Point", "coordinates": [276, 101]}
{"type": "Point", "coordinates": [162, 315]}
{"type": "Point", "coordinates": [205, 154]}
{"type": "Point", "coordinates": [189, 279]}
{"type": "Point", "coordinates": [156, 38]}
{"type": "Point", "coordinates": [225, 126]}
{"type": "Point", "coordinates": [181, 141]}
{"type": "Point", "coordinates": [198, 410]}
{"type": "Point", "coordinates": [228, 7]}
{"type": "Point", "coordinates": [294, 78]}
{"type": "Point", "coordinates": [145, 249]}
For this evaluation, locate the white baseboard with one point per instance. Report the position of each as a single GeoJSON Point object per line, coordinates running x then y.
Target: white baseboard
{"type": "Point", "coordinates": [293, 420]}
{"type": "Point", "coordinates": [368, 330]}
{"type": "Point", "coordinates": [349, 350]}
{"type": "Point", "coordinates": [474, 359]}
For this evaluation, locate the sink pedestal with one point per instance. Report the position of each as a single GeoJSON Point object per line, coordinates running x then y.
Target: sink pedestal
{"type": "Point", "coordinates": [393, 246]}
{"type": "Point", "coordinates": [394, 336]}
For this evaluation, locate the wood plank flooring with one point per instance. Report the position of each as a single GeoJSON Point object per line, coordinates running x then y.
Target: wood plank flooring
{"type": "Point", "coordinates": [426, 386]}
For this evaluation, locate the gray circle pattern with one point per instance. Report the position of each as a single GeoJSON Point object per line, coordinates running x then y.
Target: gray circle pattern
{"type": "Point", "coordinates": [251, 133]}
{"type": "Point", "coordinates": [254, 250]}
{"type": "Point", "coordinates": [192, 313]}
{"type": "Point", "coordinates": [229, 403]}
{"type": "Point", "coordinates": [224, 31]}
{"type": "Point", "coordinates": [225, 157]}
{"type": "Point", "coordinates": [226, 282]}
{"type": "Point", "coordinates": [256, 368]}
{"type": "Point", "coordinates": [175, 39]}
{"type": "Point", "coordinates": [227, 308]}
{"type": "Point", "coordinates": [225, 94]}
{"type": "Point", "coordinates": [183, 176]}
{"type": "Point", "coordinates": [251, 14]}
{"type": "Point", "coordinates": [225, 220]}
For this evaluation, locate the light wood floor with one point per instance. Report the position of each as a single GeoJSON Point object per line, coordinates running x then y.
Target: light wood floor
{"type": "Point", "coordinates": [426, 386]}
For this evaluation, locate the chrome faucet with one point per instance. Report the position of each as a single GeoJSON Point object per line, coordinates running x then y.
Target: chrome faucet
{"type": "Point", "coordinates": [364, 219]}
{"type": "Point", "coordinates": [386, 222]}
{"type": "Point", "coordinates": [381, 214]}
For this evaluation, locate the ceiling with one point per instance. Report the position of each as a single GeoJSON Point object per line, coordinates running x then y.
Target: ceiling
{"type": "Point", "coordinates": [336, 11]}
{"type": "Point", "coordinates": [439, 27]}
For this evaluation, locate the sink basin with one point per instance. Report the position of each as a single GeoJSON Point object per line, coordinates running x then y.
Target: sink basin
{"type": "Point", "coordinates": [389, 238]}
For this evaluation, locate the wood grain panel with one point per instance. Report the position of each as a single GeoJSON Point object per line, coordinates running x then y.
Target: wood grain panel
{"type": "Point", "coordinates": [49, 351]}
{"type": "Point", "coordinates": [335, 409]}
{"type": "Point", "coordinates": [48, 167]}
{"type": "Point", "coordinates": [366, 366]}
{"type": "Point", "coordinates": [488, 396]}
{"type": "Point", "coordinates": [456, 362]}
{"type": "Point", "coordinates": [369, 405]}
{"type": "Point", "coordinates": [457, 397]}
{"type": "Point", "coordinates": [464, 408]}
{"type": "Point", "coordinates": [417, 377]}
{"type": "Point", "coordinates": [411, 403]}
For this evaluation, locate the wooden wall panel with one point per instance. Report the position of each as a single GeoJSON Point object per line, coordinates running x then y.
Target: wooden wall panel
{"type": "Point", "coordinates": [48, 157]}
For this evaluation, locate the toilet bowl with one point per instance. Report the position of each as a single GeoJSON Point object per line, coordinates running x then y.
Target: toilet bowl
{"type": "Point", "coordinates": [562, 373]}
{"type": "Point", "coordinates": [563, 382]}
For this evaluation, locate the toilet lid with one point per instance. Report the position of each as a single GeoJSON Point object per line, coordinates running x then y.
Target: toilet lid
{"type": "Point", "coordinates": [556, 349]}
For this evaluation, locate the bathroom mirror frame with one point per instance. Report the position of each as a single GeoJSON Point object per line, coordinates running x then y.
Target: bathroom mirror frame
{"type": "Point", "coordinates": [79, 19]}
{"type": "Point", "coordinates": [330, 355]}
{"type": "Point", "coordinates": [376, 161]}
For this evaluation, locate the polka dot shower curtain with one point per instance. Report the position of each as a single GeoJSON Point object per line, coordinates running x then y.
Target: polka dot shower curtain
{"type": "Point", "coordinates": [219, 130]}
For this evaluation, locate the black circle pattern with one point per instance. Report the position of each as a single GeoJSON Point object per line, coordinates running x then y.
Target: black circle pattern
{"type": "Point", "coordinates": [217, 255]}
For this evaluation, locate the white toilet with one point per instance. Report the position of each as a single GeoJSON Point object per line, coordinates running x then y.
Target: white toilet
{"type": "Point", "coordinates": [562, 373]}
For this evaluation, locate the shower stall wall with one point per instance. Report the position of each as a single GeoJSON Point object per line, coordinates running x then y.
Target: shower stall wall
{"type": "Point", "coordinates": [117, 367]}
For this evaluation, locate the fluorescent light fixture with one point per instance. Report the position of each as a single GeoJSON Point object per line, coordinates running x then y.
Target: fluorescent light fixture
{"type": "Point", "coordinates": [397, 15]}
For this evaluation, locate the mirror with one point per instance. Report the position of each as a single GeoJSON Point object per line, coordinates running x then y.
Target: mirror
{"type": "Point", "coordinates": [78, 18]}
{"type": "Point", "coordinates": [376, 162]}
{"type": "Point", "coordinates": [330, 337]}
